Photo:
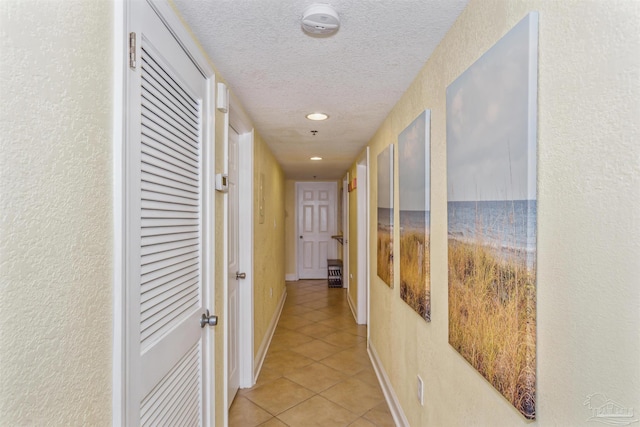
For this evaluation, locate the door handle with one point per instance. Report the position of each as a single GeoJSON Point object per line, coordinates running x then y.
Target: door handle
{"type": "Point", "coordinates": [241, 275]}
{"type": "Point", "coordinates": [301, 237]}
{"type": "Point", "coordinates": [207, 319]}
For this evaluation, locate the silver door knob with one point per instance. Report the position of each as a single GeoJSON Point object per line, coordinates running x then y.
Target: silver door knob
{"type": "Point", "coordinates": [241, 275]}
{"type": "Point", "coordinates": [208, 319]}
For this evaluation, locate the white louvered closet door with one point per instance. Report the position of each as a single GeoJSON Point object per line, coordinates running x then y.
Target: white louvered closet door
{"type": "Point", "coordinates": [166, 367]}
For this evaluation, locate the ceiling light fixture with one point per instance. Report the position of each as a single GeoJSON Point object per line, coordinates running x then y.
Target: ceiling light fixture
{"type": "Point", "coordinates": [316, 158]}
{"type": "Point", "coordinates": [317, 116]}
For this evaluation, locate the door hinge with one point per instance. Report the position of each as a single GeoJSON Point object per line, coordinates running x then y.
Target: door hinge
{"type": "Point", "coordinates": [132, 51]}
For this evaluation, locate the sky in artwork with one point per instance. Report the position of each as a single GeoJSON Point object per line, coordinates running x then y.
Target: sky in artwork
{"type": "Point", "coordinates": [385, 178]}
{"type": "Point", "coordinates": [413, 165]}
{"type": "Point", "coordinates": [491, 143]}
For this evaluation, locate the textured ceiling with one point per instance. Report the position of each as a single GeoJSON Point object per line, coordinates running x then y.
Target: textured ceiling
{"type": "Point", "coordinates": [280, 74]}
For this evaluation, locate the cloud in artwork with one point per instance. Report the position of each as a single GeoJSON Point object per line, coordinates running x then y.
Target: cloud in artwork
{"type": "Point", "coordinates": [413, 165]}
{"type": "Point", "coordinates": [489, 155]}
{"type": "Point", "coordinates": [385, 178]}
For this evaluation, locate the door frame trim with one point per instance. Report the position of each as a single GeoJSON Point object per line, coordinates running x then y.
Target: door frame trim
{"type": "Point", "coordinates": [241, 123]}
{"type": "Point", "coordinates": [345, 232]}
{"type": "Point", "coordinates": [364, 231]}
{"type": "Point", "coordinates": [120, 125]}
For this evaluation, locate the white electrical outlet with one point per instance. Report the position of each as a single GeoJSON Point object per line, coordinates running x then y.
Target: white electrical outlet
{"type": "Point", "coordinates": [420, 391]}
{"type": "Point", "coordinates": [271, 292]}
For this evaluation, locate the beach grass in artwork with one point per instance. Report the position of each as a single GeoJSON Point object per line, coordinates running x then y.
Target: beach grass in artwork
{"type": "Point", "coordinates": [385, 246]}
{"type": "Point", "coordinates": [492, 214]}
{"type": "Point", "coordinates": [492, 318]}
{"type": "Point", "coordinates": [414, 189]}
{"type": "Point", "coordinates": [384, 251]}
{"type": "Point", "coordinates": [414, 271]}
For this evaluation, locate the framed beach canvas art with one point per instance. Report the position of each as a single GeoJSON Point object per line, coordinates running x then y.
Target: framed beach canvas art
{"type": "Point", "coordinates": [385, 215]}
{"type": "Point", "coordinates": [414, 195]}
{"type": "Point", "coordinates": [492, 214]}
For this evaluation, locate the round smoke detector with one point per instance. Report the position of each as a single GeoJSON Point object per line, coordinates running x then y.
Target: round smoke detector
{"type": "Point", "coordinates": [320, 19]}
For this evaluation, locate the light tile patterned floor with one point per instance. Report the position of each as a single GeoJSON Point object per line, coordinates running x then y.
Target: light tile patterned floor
{"type": "Point", "coordinates": [317, 371]}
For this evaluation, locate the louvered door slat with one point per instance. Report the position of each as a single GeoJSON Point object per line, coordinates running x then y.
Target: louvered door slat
{"type": "Point", "coordinates": [155, 406]}
{"type": "Point", "coordinates": [184, 165]}
{"type": "Point", "coordinates": [166, 284]}
{"type": "Point", "coordinates": [161, 171]}
{"type": "Point", "coordinates": [160, 256]}
{"type": "Point", "coordinates": [173, 125]}
{"type": "Point", "coordinates": [161, 223]}
{"type": "Point", "coordinates": [150, 205]}
{"type": "Point", "coordinates": [154, 196]}
{"type": "Point", "coordinates": [180, 407]}
{"type": "Point", "coordinates": [169, 234]}
{"type": "Point", "coordinates": [150, 187]}
{"type": "Point", "coordinates": [166, 266]}
{"type": "Point", "coordinates": [168, 317]}
{"type": "Point", "coordinates": [161, 304]}
{"type": "Point", "coordinates": [152, 182]}
{"type": "Point", "coordinates": [155, 131]}
{"type": "Point", "coordinates": [176, 270]}
{"type": "Point", "coordinates": [169, 166]}
{"type": "Point", "coordinates": [155, 284]}
{"type": "Point", "coordinates": [150, 85]}
{"type": "Point", "coordinates": [169, 246]}
{"type": "Point", "coordinates": [156, 142]}
{"type": "Point", "coordinates": [151, 66]}
{"type": "Point", "coordinates": [168, 230]}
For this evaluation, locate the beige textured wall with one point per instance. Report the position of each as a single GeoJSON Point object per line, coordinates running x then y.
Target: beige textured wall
{"type": "Point", "coordinates": [268, 240]}
{"type": "Point", "coordinates": [588, 303]}
{"type": "Point", "coordinates": [56, 223]}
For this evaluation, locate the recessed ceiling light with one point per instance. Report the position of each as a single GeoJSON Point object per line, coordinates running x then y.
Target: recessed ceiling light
{"type": "Point", "coordinates": [317, 116]}
{"type": "Point", "coordinates": [316, 158]}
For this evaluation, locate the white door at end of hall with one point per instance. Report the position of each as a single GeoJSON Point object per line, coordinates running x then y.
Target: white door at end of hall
{"type": "Point", "coordinates": [317, 211]}
{"type": "Point", "coordinates": [233, 267]}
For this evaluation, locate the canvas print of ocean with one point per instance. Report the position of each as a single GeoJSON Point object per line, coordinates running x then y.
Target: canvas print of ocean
{"type": "Point", "coordinates": [385, 216]}
{"type": "Point", "coordinates": [414, 194]}
{"type": "Point", "coordinates": [492, 214]}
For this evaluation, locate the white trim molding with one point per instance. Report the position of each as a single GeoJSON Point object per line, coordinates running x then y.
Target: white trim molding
{"type": "Point", "coordinates": [264, 346]}
{"type": "Point", "coordinates": [397, 413]}
{"type": "Point", "coordinates": [352, 306]}
{"type": "Point", "coordinates": [291, 277]}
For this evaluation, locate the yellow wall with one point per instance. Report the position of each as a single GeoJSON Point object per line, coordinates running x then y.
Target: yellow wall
{"type": "Point", "coordinates": [56, 255]}
{"type": "Point", "coordinates": [268, 240]}
{"type": "Point", "coordinates": [588, 300]}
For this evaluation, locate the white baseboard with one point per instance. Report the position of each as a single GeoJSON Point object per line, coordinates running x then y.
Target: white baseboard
{"type": "Point", "coordinates": [352, 306]}
{"type": "Point", "coordinates": [266, 342]}
{"type": "Point", "coordinates": [291, 277]}
{"type": "Point", "coordinates": [390, 395]}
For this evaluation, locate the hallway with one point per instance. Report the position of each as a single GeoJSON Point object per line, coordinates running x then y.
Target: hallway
{"type": "Point", "coordinates": [317, 371]}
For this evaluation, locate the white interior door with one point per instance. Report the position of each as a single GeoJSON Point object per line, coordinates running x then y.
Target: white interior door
{"type": "Point", "coordinates": [316, 210]}
{"type": "Point", "coordinates": [167, 349]}
{"type": "Point", "coordinates": [233, 331]}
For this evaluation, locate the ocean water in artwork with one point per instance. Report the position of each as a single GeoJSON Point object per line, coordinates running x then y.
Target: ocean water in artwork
{"type": "Point", "coordinates": [506, 226]}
